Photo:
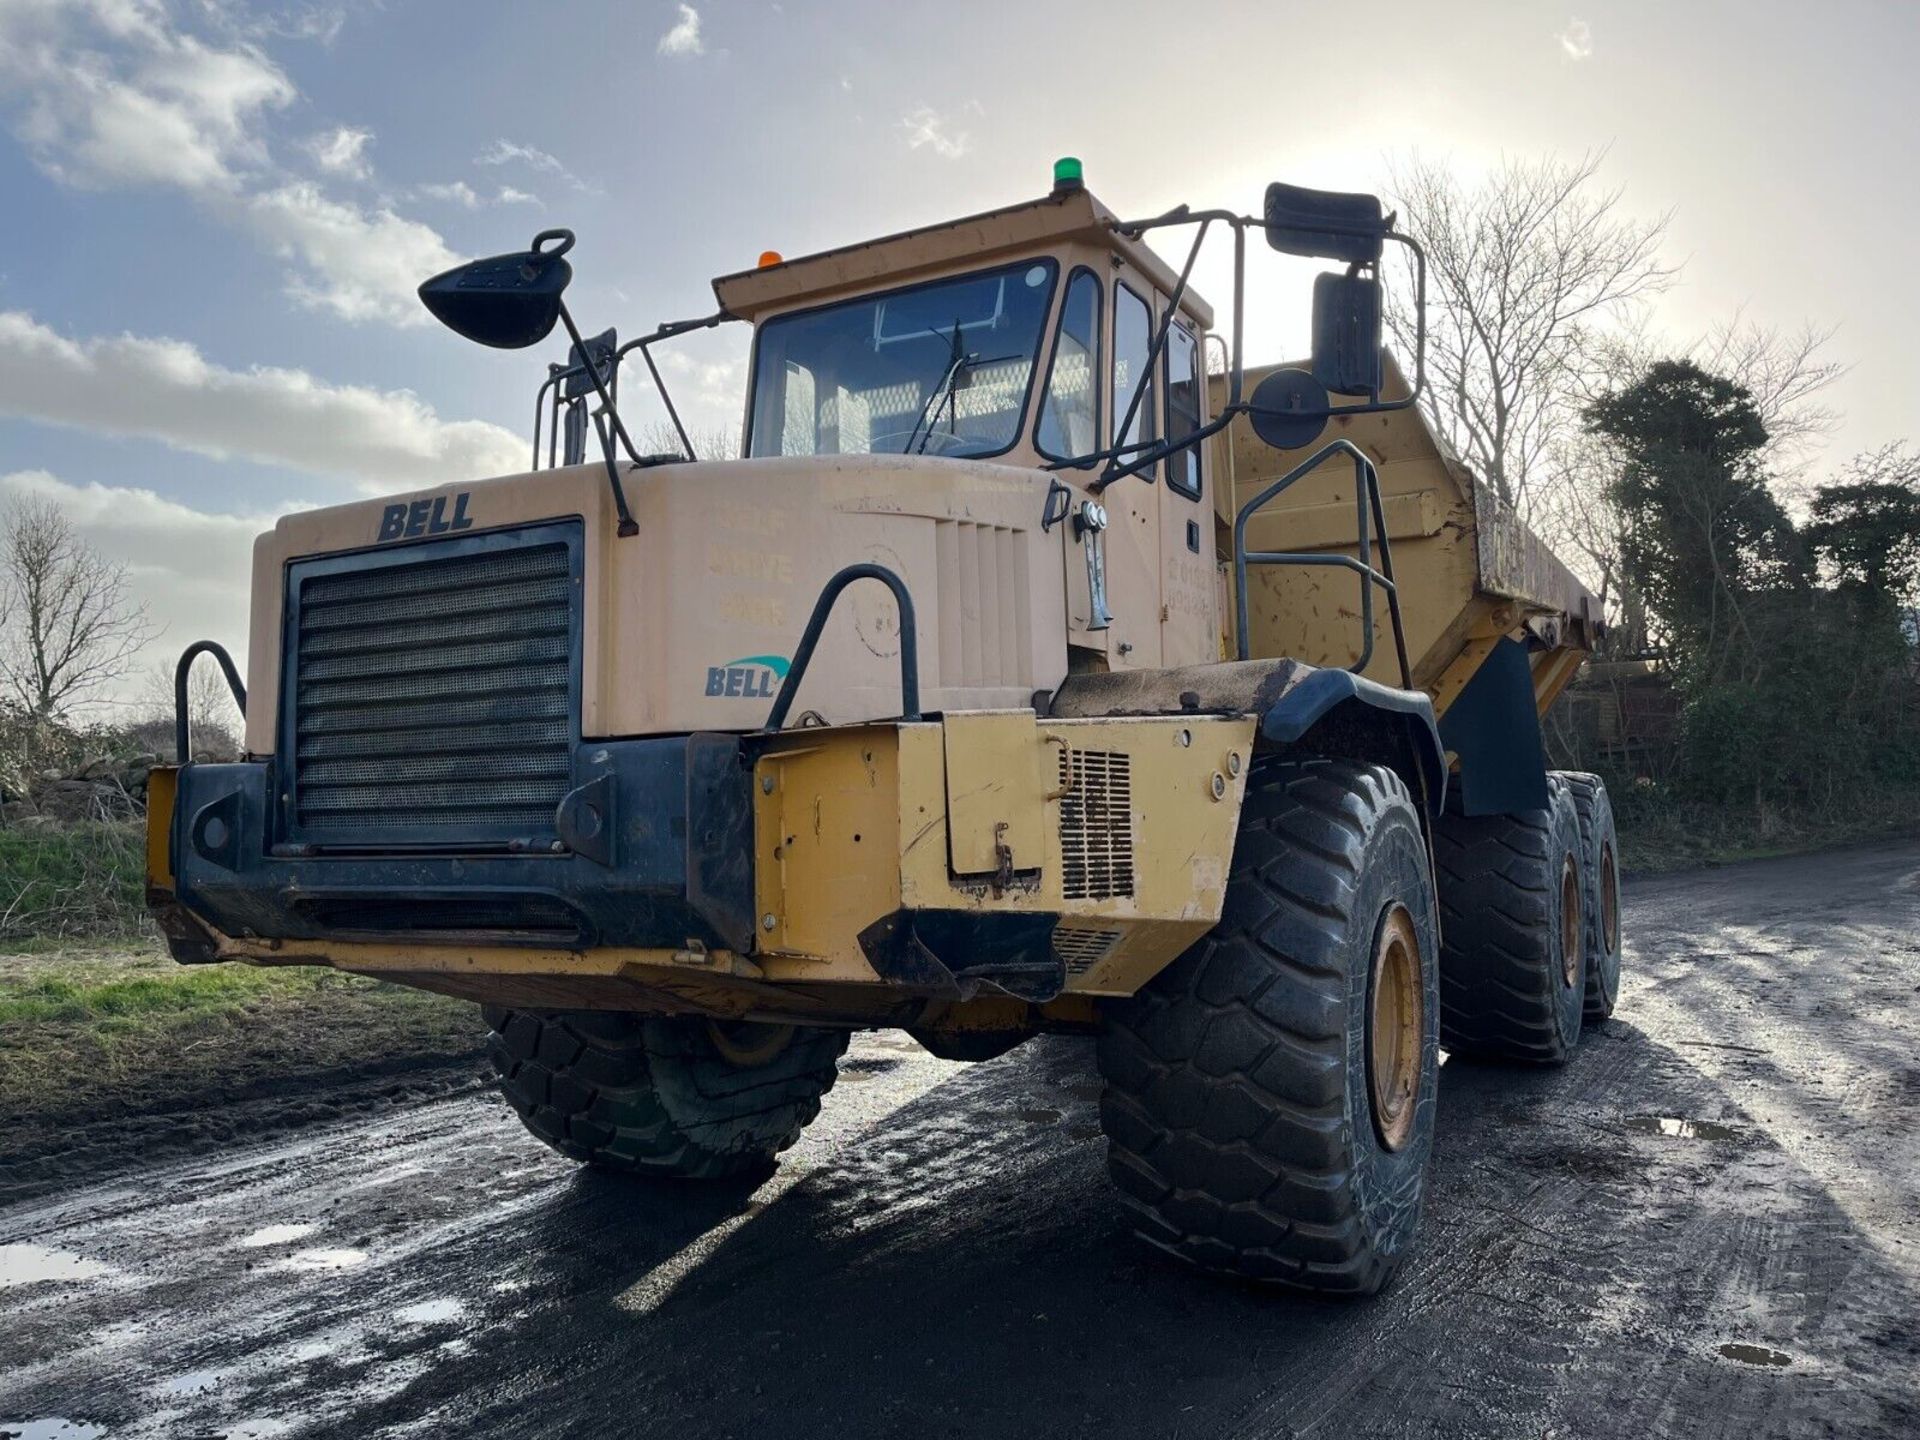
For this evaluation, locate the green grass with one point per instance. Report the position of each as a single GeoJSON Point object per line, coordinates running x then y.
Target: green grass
{"type": "Point", "coordinates": [92, 1036]}
{"type": "Point", "coordinates": [72, 881]}
{"type": "Point", "coordinates": [1661, 833]}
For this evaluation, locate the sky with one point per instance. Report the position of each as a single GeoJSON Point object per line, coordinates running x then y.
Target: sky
{"type": "Point", "coordinates": [213, 213]}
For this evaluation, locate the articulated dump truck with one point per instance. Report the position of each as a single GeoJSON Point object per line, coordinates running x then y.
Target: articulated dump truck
{"type": "Point", "coordinates": [1039, 667]}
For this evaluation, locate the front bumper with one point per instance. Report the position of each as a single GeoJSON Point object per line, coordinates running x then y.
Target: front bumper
{"type": "Point", "coordinates": [983, 853]}
{"type": "Point", "coordinates": [656, 852]}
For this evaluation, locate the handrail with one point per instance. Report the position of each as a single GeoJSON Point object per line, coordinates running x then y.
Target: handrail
{"type": "Point", "coordinates": [182, 720]}
{"type": "Point", "coordinates": [1371, 514]}
{"type": "Point", "coordinates": [817, 622]}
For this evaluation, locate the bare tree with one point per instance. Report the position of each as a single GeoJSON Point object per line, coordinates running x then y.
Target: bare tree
{"type": "Point", "coordinates": [212, 717]}
{"type": "Point", "coordinates": [68, 627]}
{"type": "Point", "coordinates": [1527, 273]}
{"type": "Point", "coordinates": [658, 437]}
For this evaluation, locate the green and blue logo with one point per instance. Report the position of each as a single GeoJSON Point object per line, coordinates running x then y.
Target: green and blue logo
{"type": "Point", "coordinates": [754, 677]}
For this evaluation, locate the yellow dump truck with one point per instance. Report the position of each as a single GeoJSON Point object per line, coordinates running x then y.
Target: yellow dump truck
{"type": "Point", "coordinates": [1038, 668]}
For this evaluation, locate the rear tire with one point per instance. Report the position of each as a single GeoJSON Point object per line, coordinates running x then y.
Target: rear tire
{"type": "Point", "coordinates": [1512, 972]}
{"type": "Point", "coordinates": [1599, 856]}
{"type": "Point", "coordinates": [1263, 1119]}
{"type": "Point", "coordinates": [661, 1096]}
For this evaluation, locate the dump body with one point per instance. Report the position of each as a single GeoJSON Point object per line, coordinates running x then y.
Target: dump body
{"type": "Point", "coordinates": [1469, 570]}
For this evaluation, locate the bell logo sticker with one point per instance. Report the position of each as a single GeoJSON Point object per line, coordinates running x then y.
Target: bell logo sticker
{"type": "Point", "coordinates": [756, 677]}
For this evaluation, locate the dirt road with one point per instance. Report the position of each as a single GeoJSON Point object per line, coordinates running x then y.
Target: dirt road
{"type": "Point", "coordinates": [1708, 1225]}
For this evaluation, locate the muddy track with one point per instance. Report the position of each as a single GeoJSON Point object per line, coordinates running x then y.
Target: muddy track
{"type": "Point", "coordinates": [1707, 1225]}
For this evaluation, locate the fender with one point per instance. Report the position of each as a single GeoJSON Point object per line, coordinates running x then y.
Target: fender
{"type": "Point", "coordinates": [1339, 713]}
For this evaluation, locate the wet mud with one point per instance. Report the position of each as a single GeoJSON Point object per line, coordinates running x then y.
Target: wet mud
{"type": "Point", "coordinates": [1707, 1225]}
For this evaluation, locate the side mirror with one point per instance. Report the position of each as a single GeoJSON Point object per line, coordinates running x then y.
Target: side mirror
{"type": "Point", "coordinates": [506, 301]}
{"type": "Point", "coordinates": [1325, 224]}
{"type": "Point", "coordinates": [1289, 409]}
{"type": "Point", "coordinates": [1346, 333]}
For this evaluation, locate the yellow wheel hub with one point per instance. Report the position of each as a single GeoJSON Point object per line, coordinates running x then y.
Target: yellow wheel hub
{"type": "Point", "coordinates": [1396, 1016]}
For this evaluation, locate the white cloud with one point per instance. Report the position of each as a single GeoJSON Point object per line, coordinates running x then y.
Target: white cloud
{"type": "Point", "coordinates": [1576, 41]}
{"type": "Point", "coordinates": [165, 390]}
{"type": "Point", "coordinates": [456, 192]}
{"type": "Point", "coordinates": [150, 106]}
{"type": "Point", "coordinates": [926, 127]}
{"type": "Point", "coordinates": [508, 152]}
{"type": "Point", "coordinates": [191, 568]}
{"type": "Point", "coordinates": [342, 151]}
{"type": "Point", "coordinates": [684, 38]}
{"type": "Point", "coordinates": [459, 192]}
{"type": "Point", "coordinates": [111, 92]}
{"type": "Point", "coordinates": [357, 264]}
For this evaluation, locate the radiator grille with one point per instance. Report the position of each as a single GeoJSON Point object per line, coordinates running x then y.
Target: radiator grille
{"type": "Point", "coordinates": [433, 698]}
{"type": "Point", "coordinates": [1096, 824]}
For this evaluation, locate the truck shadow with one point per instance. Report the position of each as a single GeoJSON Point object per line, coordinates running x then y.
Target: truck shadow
{"type": "Point", "coordinates": [960, 1268]}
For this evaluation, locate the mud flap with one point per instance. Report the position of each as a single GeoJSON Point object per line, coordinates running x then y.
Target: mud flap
{"type": "Point", "coordinates": [952, 954]}
{"type": "Point", "coordinates": [1494, 729]}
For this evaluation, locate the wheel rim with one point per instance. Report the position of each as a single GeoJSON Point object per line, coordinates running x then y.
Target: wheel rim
{"type": "Point", "coordinates": [1395, 1026]}
{"type": "Point", "coordinates": [747, 1043]}
{"type": "Point", "coordinates": [1570, 920]}
{"type": "Point", "coordinates": [1609, 901]}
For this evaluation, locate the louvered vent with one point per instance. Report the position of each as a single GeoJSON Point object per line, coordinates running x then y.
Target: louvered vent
{"type": "Point", "coordinates": [985, 629]}
{"type": "Point", "coordinates": [1096, 824]}
{"type": "Point", "coordinates": [1081, 950]}
{"type": "Point", "coordinates": [432, 698]}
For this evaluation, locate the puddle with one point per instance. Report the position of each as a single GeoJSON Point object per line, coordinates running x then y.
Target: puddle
{"type": "Point", "coordinates": [431, 1312]}
{"type": "Point", "coordinates": [1038, 1117]}
{"type": "Point", "coordinates": [275, 1235]}
{"type": "Point", "coordinates": [53, 1428]}
{"type": "Point", "coordinates": [1755, 1354]}
{"type": "Point", "coordinates": [324, 1259]}
{"type": "Point", "coordinates": [1085, 1132]}
{"type": "Point", "coordinates": [37, 1264]}
{"type": "Point", "coordinates": [1083, 1089]}
{"type": "Point", "coordinates": [196, 1382]}
{"type": "Point", "coordinates": [1677, 1129]}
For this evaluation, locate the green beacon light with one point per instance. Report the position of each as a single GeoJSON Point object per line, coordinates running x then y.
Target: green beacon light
{"type": "Point", "coordinates": [1067, 175]}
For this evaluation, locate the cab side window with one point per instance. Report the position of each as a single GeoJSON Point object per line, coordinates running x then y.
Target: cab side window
{"type": "Point", "coordinates": [1070, 410]}
{"type": "Point", "coordinates": [1183, 409]}
{"type": "Point", "coordinates": [1132, 339]}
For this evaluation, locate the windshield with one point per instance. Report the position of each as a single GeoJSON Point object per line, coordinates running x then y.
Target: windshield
{"type": "Point", "coordinates": [939, 369]}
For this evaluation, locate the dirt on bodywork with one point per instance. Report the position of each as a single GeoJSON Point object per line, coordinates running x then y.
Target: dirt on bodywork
{"type": "Point", "coordinates": [1707, 1225]}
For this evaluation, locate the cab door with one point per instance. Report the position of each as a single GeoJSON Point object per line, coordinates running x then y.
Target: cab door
{"type": "Point", "coordinates": [1189, 588]}
{"type": "Point", "coordinates": [1133, 504]}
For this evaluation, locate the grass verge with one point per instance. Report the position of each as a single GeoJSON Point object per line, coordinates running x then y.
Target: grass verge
{"type": "Point", "coordinates": [110, 1052]}
{"type": "Point", "coordinates": [1660, 833]}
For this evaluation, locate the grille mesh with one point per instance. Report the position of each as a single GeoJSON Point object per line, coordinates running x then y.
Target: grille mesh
{"type": "Point", "coordinates": [1083, 949]}
{"type": "Point", "coordinates": [432, 700]}
{"type": "Point", "coordinates": [1096, 824]}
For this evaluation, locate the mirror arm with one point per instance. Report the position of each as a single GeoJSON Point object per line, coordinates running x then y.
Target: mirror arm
{"type": "Point", "coordinates": [1158, 348]}
{"type": "Point", "coordinates": [612, 416]}
{"type": "Point", "coordinates": [668, 331]}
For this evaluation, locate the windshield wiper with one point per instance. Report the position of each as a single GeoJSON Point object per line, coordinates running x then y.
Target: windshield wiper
{"type": "Point", "coordinates": [961, 363]}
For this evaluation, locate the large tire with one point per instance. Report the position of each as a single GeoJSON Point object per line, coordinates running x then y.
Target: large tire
{"type": "Point", "coordinates": [1512, 977]}
{"type": "Point", "coordinates": [1600, 869]}
{"type": "Point", "coordinates": [661, 1096]}
{"type": "Point", "coordinates": [1247, 1133]}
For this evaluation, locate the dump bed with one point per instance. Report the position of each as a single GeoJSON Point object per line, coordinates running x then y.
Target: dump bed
{"type": "Point", "coordinates": [1468, 569]}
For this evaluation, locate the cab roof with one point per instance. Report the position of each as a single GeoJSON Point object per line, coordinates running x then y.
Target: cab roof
{"type": "Point", "coordinates": [1071, 215]}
